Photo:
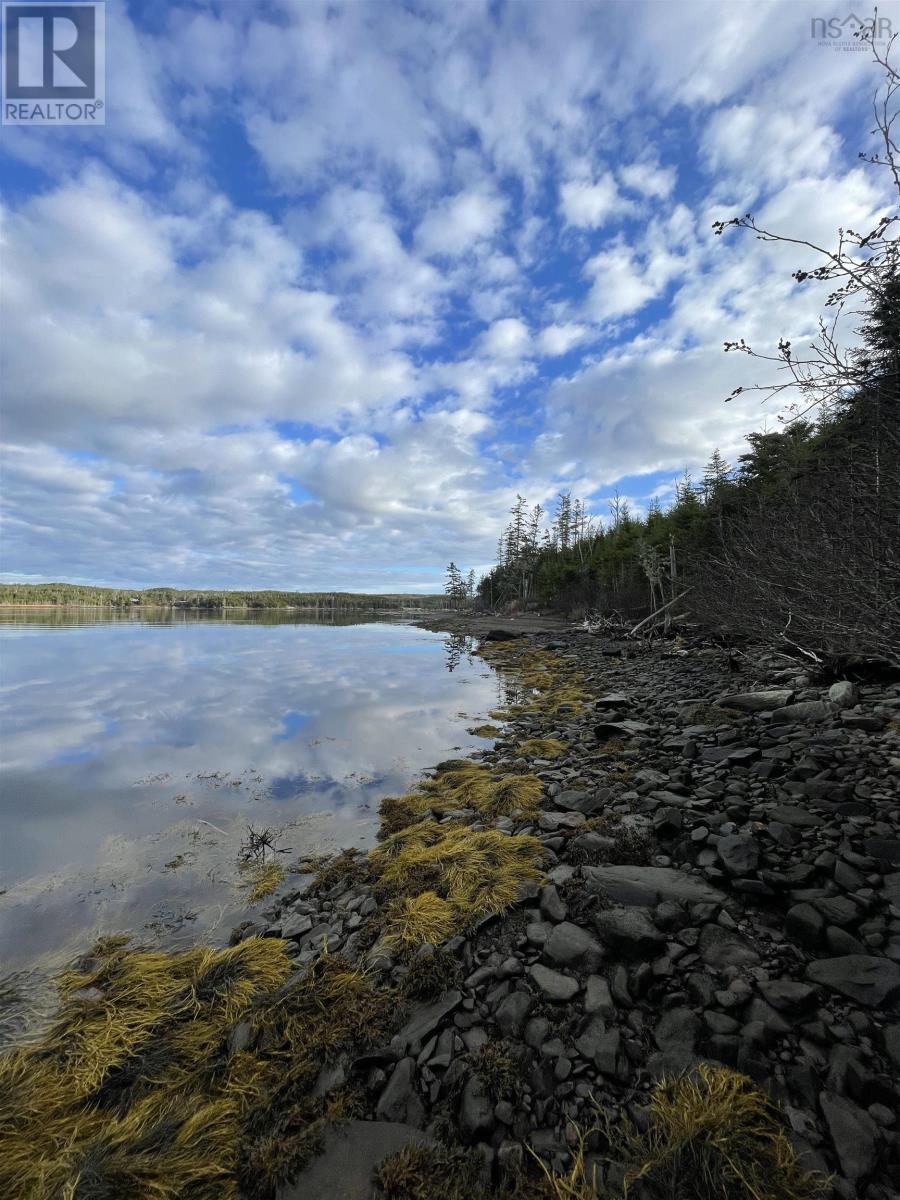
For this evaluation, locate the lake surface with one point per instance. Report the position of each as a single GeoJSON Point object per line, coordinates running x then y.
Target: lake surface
{"type": "Point", "coordinates": [136, 751]}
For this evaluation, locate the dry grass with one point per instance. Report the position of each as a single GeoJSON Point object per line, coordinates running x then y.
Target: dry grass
{"type": "Point", "coordinates": [486, 731]}
{"type": "Point", "coordinates": [135, 1093]}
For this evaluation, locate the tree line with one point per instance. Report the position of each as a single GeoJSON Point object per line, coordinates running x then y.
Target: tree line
{"type": "Point", "coordinates": [166, 597]}
{"type": "Point", "coordinates": [799, 540]}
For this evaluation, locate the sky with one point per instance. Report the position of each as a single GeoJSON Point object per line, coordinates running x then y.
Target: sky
{"type": "Point", "coordinates": [335, 282]}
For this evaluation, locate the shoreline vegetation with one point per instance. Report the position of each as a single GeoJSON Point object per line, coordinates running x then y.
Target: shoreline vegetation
{"type": "Point", "coordinates": [467, 981]}
{"type": "Point", "coordinates": [70, 595]}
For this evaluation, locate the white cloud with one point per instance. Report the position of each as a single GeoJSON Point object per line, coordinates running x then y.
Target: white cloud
{"type": "Point", "coordinates": [649, 179]}
{"type": "Point", "coordinates": [507, 338]}
{"type": "Point", "coordinates": [460, 223]}
{"type": "Point", "coordinates": [589, 205]}
{"type": "Point", "coordinates": [558, 339]}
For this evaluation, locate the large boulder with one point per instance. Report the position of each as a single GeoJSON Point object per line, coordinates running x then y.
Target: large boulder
{"type": "Point", "coordinates": [763, 701]}
{"type": "Point", "coordinates": [553, 984]}
{"type": "Point", "coordinates": [853, 1133]}
{"type": "Point", "coordinates": [648, 886]}
{"type": "Point", "coordinates": [806, 711]}
{"type": "Point", "coordinates": [629, 932]}
{"type": "Point", "coordinates": [352, 1151]}
{"type": "Point", "coordinates": [569, 944]}
{"type": "Point", "coordinates": [865, 978]}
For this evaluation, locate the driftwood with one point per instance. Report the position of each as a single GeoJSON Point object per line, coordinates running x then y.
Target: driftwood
{"type": "Point", "coordinates": [653, 615]}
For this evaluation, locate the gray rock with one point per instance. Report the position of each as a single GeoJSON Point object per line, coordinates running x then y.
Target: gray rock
{"type": "Point", "coordinates": [786, 993]}
{"type": "Point", "coordinates": [554, 985]}
{"type": "Point", "coordinates": [331, 1077]}
{"type": "Point", "coordinates": [569, 944]}
{"type": "Point", "coordinates": [295, 925]}
{"type": "Point", "coordinates": [624, 729]}
{"type": "Point", "coordinates": [853, 1133]}
{"type": "Point", "coordinates": [845, 694]}
{"type": "Point", "coordinates": [806, 711]}
{"type": "Point", "coordinates": [892, 1044]}
{"type": "Point", "coordinates": [426, 1019]}
{"type": "Point", "coordinates": [874, 982]}
{"type": "Point", "coordinates": [724, 948]}
{"type": "Point", "coordinates": [399, 1095]}
{"type": "Point", "coordinates": [648, 886]}
{"type": "Point", "coordinates": [883, 850]}
{"type": "Point", "coordinates": [512, 1013]}
{"type": "Point", "coordinates": [677, 1029]}
{"type": "Point", "coordinates": [552, 907]}
{"type": "Point", "coordinates": [476, 1111]}
{"type": "Point", "coordinates": [352, 1151]}
{"type": "Point", "coordinates": [597, 997]}
{"type": "Point", "coordinates": [589, 803]}
{"type": "Point", "coordinates": [738, 855]}
{"type": "Point", "coordinates": [805, 923]}
{"type": "Point", "coordinates": [629, 932]}
{"type": "Point", "coordinates": [758, 701]}
{"type": "Point", "coordinates": [551, 821]}
{"type": "Point", "coordinates": [591, 1038]}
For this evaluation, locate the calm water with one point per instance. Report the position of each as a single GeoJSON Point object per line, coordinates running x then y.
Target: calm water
{"type": "Point", "coordinates": [135, 753]}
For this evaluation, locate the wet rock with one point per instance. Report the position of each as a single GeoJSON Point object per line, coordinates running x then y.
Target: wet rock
{"type": "Point", "coordinates": [871, 981]}
{"type": "Point", "coordinates": [554, 985]}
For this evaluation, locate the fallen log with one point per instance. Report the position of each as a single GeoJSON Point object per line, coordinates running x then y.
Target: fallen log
{"type": "Point", "coordinates": [653, 615]}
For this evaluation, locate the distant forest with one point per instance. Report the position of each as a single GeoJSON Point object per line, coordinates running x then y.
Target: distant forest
{"type": "Point", "coordinates": [799, 541]}
{"type": "Point", "coordinates": [163, 597]}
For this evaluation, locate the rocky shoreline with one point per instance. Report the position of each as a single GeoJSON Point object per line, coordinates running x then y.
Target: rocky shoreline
{"type": "Point", "coordinates": [721, 842]}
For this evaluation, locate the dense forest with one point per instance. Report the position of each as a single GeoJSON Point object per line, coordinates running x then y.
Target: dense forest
{"type": "Point", "coordinates": [799, 540]}
{"type": "Point", "coordinates": [75, 594]}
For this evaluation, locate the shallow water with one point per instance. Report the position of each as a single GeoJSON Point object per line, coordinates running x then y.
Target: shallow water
{"type": "Point", "coordinates": [137, 749]}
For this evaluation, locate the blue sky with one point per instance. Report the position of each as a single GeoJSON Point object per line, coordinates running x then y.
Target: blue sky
{"type": "Point", "coordinates": [335, 282]}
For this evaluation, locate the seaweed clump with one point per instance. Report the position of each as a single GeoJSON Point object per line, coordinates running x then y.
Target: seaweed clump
{"type": "Point", "coordinates": [420, 1172]}
{"type": "Point", "coordinates": [462, 785]}
{"type": "Point", "coordinates": [176, 1075]}
{"type": "Point", "coordinates": [442, 879]}
{"type": "Point", "coordinates": [714, 1135]}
